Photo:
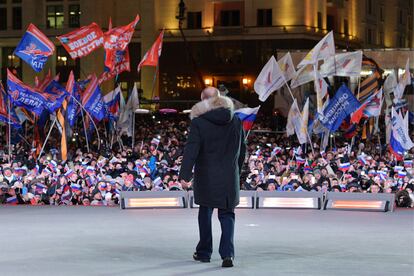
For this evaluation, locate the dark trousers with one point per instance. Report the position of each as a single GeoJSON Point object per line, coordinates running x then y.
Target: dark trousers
{"type": "Point", "coordinates": [205, 245]}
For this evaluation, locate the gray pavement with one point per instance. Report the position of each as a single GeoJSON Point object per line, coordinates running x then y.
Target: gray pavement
{"type": "Point", "coordinates": [109, 241]}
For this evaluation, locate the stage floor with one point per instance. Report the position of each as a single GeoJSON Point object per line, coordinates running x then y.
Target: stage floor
{"type": "Point", "coordinates": [110, 241]}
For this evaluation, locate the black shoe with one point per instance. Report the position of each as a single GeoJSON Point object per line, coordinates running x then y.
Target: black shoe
{"type": "Point", "coordinates": [227, 262]}
{"type": "Point", "coordinates": [200, 259]}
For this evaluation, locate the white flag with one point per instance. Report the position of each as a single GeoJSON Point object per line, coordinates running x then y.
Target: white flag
{"type": "Point", "coordinates": [303, 133]}
{"type": "Point", "coordinates": [324, 49]}
{"type": "Point", "coordinates": [287, 67]}
{"type": "Point", "coordinates": [400, 130]}
{"type": "Point", "coordinates": [125, 118]}
{"type": "Point", "coordinates": [344, 65]}
{"type": "Point", "coordinates": [295, 123]}
{"type": "Point", "coordinates": [294, 119]}
{"type": "Point", "coordinates": [403, 81]}
{"type": "Point", "coordinates": [389, 84]}
{"type": "Point", "coordinates": [302, 76]}
{"type": "Point", "coordinates": [321, 89]}
{"type": "Point", "coordinates": [269, 80]}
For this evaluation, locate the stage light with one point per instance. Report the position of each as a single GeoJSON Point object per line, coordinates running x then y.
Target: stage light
{"type": "Point", "coordinates": [154, 202]}
{"type": "Point", "coordinates": [276, 199]}
{"type": "Point", "coordinates": [160, 199]}
{"type": "Point", "coordinates": [359, 201]}
{"type": "Point", "coordinates": [247, 199]}
{"type": "Point", "coordinates": [285, 202]}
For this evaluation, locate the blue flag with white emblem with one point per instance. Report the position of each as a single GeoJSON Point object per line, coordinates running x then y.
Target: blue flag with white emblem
{"type": "Point", "coordinates": [339, 107]}
{"type": "Point", "coordinates": [34, 48]}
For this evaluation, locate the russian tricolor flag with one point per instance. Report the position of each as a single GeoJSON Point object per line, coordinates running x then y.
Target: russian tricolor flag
{"type": "Point", "coordinates": [408, 163]}
{"type": "Point", "coordinates": [247, 115]}
{"type": "Point", "coordinates": [11, 200]}
{"type": "Point", "coordinates": [344, 166]}
{"type": "Point", "coordinates": [402, 174]}
{"type": "Point", "coordinates": [398, 168]}
{"type": "Point", "coordinates": [396, 148]}
{"type": "Point", "coordinates": [362, 160]}
{"type": "Point", "coordinates": [299, 160]}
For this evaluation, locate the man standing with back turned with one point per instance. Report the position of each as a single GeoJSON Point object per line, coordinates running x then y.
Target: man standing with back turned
{"type": "Point", "coordinates": [216, 149]}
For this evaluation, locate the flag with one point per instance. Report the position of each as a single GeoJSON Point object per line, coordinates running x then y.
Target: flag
{"type": "Point", "coordinates": [408, 163]}
{"type": "Point", "coordinates": [304, 124]}
{"type": "Point", "coordinates": [344, 166]}
{"type": "Point", "coordinates": [370, 108]}
{"type": "Point", "coordinates": [125, 118]}
{"type": "Point", "coordinates": [294, 122]}
{"type": "Point", "coordinates": [372, 83]}
{"type": "Point", "coordinates": [12, 200]}
{"type": "Point", "coordinates": [72, 109]}
{"type": "Point", "coordinates": [34, 48]}
{"type": "Point", "coordinates": [112, 101]}
{"type": "Point", "coordinates": [22, 95]}
{"type": "Point", "coordinates": [55, 94]}
{"type": "Point", "coordinates": [122, 63]}
{"type": "Point", "coordinates": [389, 84]}
{"type": "Point", "coordinates": [339, 107]}
{"type": "Point", "coordinates": [92, 100]}
{"type": "Point", "coordinates": [287, 67]}
{"type": "Point", "coordinates": [362, 160]}
{"type": "Point", "coordinates": [403, 81]}
{"type": "Point", "coordinates": [117, 39]}
{"type": "Point", "coordinates": [269, 80]}
{"type": "Point", "coordinates": [7, 116]}
{"type": "Point", "coordinates": [299, 160]}
{"type": "Point", "coordinates": [344, 65]}
{"type": "Point", "coordinates": [83, 41]}
{"type": "Point", "coordinates": [321, 88]}
{"type": "Point", "coordinates": [307, 168]}
{"type": "Point", "coordinates": [400, 140]}
{"type": "Point", "coordinates": [247, 116]}
{"type": "Point", "coordinates": [402, 174]}
{"type": "Point", "coordinates": [304, 75]}
{"type": "Point", "coordinates": [152, 56]}
{"type": "Point", "coordinates": [155, 141]}
{"type": "Point", "coordinates": [324, 49]}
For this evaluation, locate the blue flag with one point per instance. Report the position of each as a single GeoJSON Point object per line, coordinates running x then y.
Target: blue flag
{"type": "Point", "coordinates": [25, 96]}
{"type": "Point", "coordinates": [92, 100]}
{"type": "Point", "coordinates": [339, 107]}
{"type": "Point", "coordinates": [34, 48]}
{"type": "Point", "coordinates": [55, 95]}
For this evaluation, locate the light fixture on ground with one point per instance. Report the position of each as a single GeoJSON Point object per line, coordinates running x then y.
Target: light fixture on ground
{"type": "Point", "coordinates": [359, 201]}
{"type": "Point", "coordinates": [305, 200]}
{"type": "Point", "coordinates": [163, 199]}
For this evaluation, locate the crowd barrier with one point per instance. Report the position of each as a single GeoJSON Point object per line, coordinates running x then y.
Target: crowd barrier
{"type": "Point", "coordinates": [266, 199]}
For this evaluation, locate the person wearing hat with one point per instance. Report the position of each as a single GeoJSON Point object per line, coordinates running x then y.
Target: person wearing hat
{"type": "Point", "coordinates": [216, 149]}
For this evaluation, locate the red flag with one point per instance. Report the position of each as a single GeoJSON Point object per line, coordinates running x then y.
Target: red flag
{"type": "Point", "coordinates": [117, 39]}
{"type": "Point", "coordinates": [83, 41]}
{"type": "Point", "coordinates": [152, 55]}
{"type": "Point", "coordinates": [122, 64]}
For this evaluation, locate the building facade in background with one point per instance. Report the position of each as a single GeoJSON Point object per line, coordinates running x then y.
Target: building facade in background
{"type": "Point", "coordinates": [229, 41]}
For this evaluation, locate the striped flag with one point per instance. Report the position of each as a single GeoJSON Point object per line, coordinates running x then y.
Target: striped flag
{"type": "Point", "coordinates": [344, 166]}
{"type": "Point", "coordinates": [372, 83]}
{"type": "Point", "coordinates": [247, 115]}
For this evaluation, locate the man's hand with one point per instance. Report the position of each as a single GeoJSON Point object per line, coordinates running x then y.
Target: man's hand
{"type": "Point", "coordinates": [185, 185]}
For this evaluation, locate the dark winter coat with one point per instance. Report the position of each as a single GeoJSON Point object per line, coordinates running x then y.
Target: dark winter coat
{"type": "Point", "coordinates": [216, 149]}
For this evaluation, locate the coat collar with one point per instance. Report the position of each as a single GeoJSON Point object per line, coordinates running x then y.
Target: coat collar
{"type": "Point", "coordinates": [205, 106]}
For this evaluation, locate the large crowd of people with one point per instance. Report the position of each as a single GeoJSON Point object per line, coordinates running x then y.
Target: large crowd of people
{"type": "Point", "coordinates": [274, 163]}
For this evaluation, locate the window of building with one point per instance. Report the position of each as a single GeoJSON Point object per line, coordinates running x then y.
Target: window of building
{"type": "Point", "coordinates": [264, 17]}
{"type": "Point", "coordinates": [3, 18]}
{"type": "Point", "coordinates": [369, 36]}
{"type": "Point", "coordinates": [194, 20]}
{"type": "Point", "coordinates": [74, 16]}
{"type": "Point", "coordinates": [381, 38]}
{"type": "Point", "coordinates": [319, 20]}
{"type": "Point", "coordinates": [330, 22]}
{"type": "Point", "coordinates": [230, 18]}
{"type": "Point", "coordinates": [369, 7]}
{"type": "Point", "coordinates": [54, 17]}
{"type": "Point", "coordinates": [17, 18]}
{"type": "Point", "coordinates": [382, 13]}
{"type": "Point", "coordinates": [11, 62]}
{"type": "Point", "coordinates": [400, 17]}
{"type": "Point", "coordinates": [3, 1]}
{"type": "Point", "coordinates": [65, 64]}
{"type": "Point", "coordinates": [346, 27]}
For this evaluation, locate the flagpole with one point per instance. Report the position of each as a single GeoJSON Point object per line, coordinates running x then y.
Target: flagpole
{"type": "Point", "coordinates": [247, 135]}
{"type": "Point", "coordinates": [90, 117]}
{"type": "Point", "coordinates": [47, 138]}
{"type": "Point", "coordinates": [9, 132]}
{"type": "Point", "coordinates": [154, 79]}
{"type": "Point", "coordinates": [86, 132]}
{"type": "Point", "coordinates": [133, 129]}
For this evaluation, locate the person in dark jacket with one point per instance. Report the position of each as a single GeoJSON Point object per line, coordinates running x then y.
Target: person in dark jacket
{"type": "Point", "coordinates": [216, 149]}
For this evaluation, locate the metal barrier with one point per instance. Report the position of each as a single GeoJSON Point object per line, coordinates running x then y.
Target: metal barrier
{"type": "Point", "coordinates": [166, 199]}
{"type": "Point", "coordinates": [247, 199]}
{"type": "Point", "coordinates": [359, 201]}
{"type": "Point", "coordinates": [295, 200]}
